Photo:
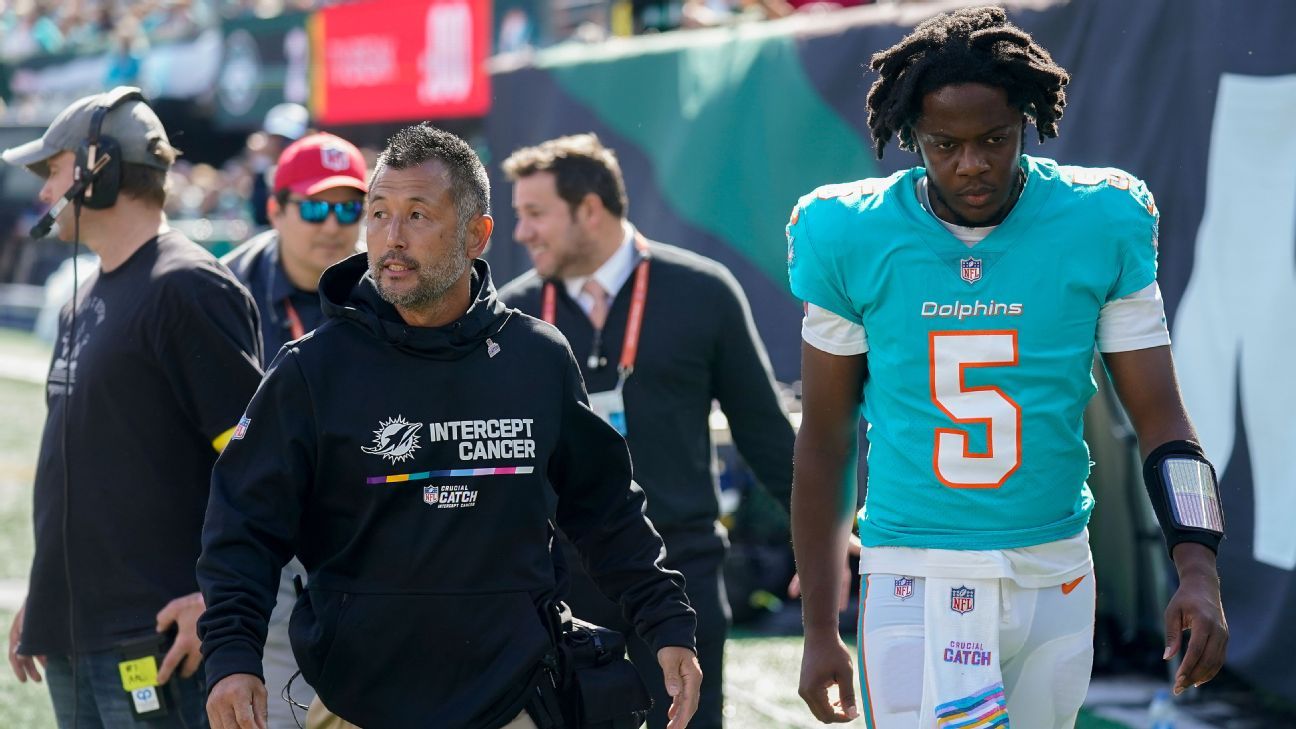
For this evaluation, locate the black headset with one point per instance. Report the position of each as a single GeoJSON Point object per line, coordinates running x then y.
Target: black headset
{"type": "Point", "coordinates": [102, 189]}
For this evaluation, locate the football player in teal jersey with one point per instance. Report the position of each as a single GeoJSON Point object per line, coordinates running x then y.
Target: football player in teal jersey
{"type": "Point", "coordinates": [957, 305]}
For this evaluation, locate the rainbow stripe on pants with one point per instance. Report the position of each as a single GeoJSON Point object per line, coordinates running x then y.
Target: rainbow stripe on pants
{"type": "Point", "coordinates": [983, 710]}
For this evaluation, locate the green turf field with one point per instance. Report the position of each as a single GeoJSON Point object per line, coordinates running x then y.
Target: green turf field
{"type": "Point", "coordinates": [761, 673]}
{"type": "Point", "coordinates": [22, 413]}
{"type": "Point", "coordinates": [22, 410]}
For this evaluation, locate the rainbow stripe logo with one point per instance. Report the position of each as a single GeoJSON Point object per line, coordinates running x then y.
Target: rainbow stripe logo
{"type": "Point", "coordinates": [452, 473]}
{"type": "Point", "coordinates": [986, 709]}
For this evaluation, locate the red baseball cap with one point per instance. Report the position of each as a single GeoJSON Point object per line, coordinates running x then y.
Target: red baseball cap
{"type": "Point", "coordinates": [319, 162]}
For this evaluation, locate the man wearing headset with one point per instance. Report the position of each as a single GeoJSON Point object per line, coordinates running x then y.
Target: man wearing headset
{"type": "Point", "coordinates": [315, 206]}
{"type": "Point", "coordinates": [155, 358]}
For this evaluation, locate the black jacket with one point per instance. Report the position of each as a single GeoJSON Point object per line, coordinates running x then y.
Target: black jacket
{"type": "Point", "coordinates": [415, 472]}
{"type": "Point", "coordinates": [255, 263]}
{"type": "Point", "coordinates": [698, 343]}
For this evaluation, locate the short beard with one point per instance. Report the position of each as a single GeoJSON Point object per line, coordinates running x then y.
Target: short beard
{"type": "Point", "coordinates": [433, 282]}
{"type": "Point", "coordinates": [580, 251]}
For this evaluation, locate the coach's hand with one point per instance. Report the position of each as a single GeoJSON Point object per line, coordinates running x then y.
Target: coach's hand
{"type": "Point", "coordinates": [237, 701]}
{"type": "Point", "coordinates": [1196, 607]}
{"type": "Point", "coordinates": [826, 663]}
{"type": "Point", "coordinates": [683, 681]}
{"type": "Point", "coordinates": [182, 612]}
{"type": "Point", "coordinates": [24, 667]}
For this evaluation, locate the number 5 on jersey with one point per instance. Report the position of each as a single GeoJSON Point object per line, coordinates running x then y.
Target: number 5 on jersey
{"type": "Point", "coordinates": [950, 354]}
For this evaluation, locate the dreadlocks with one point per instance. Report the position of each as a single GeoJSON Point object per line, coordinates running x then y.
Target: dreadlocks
{"type": "Point", "coordinates": [973, 45]}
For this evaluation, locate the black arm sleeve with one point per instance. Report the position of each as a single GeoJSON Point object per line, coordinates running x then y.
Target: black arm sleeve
{"type": "Point", "coordinates": [258, 486]}
{"type": "Point", "coordinates": [744, 385]}
{"type": "Point", "coordinates": [601, 510]}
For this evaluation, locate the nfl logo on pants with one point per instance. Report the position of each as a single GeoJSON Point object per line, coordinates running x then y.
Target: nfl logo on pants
{"type": "Point", "coordinates": [904, 587]}
{"type": "Point", "coordinates": [962, 599]}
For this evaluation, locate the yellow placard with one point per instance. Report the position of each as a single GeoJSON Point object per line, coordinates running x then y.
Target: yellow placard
{"type": "Point", "coordinates": [139, 673]}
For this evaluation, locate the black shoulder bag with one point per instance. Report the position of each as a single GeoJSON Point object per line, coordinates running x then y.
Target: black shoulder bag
{"type": "Point", "coordinates": [596, 685]}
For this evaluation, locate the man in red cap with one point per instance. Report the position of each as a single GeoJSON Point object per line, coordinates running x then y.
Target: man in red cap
{"type": "Point", "coordinates": [315, 208]}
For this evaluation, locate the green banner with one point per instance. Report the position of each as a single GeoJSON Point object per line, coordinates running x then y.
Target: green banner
{"type": "Point", "coordinates": [266, 61]}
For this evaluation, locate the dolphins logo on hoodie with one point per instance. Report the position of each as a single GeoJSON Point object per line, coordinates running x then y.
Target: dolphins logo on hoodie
{"type": "Point", "coordinates": [395, 439]}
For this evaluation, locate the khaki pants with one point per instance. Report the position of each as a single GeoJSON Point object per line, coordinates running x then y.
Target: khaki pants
{"type": "Point", "coordinates": [321, 718]}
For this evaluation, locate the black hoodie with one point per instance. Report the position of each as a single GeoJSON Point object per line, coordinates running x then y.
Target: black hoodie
{"type": "Point", "coordinates": [416, 471]}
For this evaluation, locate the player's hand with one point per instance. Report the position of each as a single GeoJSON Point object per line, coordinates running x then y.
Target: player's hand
{"type": "Point", "coordinates": [826, 665]}
{"type": "Point", "coordinates": [24, 667]}
{"type": "Point", "coordinates": [1196, 607]}
{"type": "Point", "coordinates": [794, 586]}
{"type": "Point", "coordinates": [182, 612]}
{"type": "Point", "coordinates": [237, 701]}
{"type": "Point", "coordinates": [683, 681]}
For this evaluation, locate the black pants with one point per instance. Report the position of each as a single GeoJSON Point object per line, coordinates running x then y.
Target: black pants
{"type": "Point", "coordinates": [704, 582]}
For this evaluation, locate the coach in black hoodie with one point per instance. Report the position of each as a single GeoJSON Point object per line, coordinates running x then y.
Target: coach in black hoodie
{"type": "Point", "coordinates": [412, 451]}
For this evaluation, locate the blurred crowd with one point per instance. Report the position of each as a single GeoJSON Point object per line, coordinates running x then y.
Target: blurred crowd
{"type": "Point", "coordinates": [127, 27]}
{"type": "Point", "coordinates": [204, 191]}
{"type": "Point", "coordinates": [524, 24]}
{"type": "Point", "coordinates": [708, 13]}
{"type": "Point", "coordinates": [33, 27]}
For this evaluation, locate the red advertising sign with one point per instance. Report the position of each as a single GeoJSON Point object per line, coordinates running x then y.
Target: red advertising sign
{"type": "Point", "coordinates": [398, 60]}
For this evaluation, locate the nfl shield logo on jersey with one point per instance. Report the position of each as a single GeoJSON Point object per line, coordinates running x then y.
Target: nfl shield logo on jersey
{"type": "Point", "coordinates": [904, 588]}
{"type": "Point", "coordinates": [962, 599]}
{"type": "Point", "coordinates": [970, 269]}
{"type": "Point", "coordinates": [431, 494]}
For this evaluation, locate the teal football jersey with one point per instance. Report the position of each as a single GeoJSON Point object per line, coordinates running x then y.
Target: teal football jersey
{"type": "Point", "coordinates": [980, 359]}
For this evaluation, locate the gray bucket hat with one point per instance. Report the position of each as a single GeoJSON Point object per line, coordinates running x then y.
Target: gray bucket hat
{"type": "Point", "coordinates": [133, 124]}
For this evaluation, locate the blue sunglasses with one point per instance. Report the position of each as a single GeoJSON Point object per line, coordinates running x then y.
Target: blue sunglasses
{"type": "Point", "coordinates": [317, 211]}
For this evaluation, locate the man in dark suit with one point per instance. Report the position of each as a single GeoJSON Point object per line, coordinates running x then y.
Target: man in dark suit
{"type": "Point", "coordinates": [660, 333]}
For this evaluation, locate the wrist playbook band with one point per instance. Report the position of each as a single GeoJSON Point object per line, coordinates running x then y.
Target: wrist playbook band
{"type": "Point", "coordinates": [1185, 494]}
